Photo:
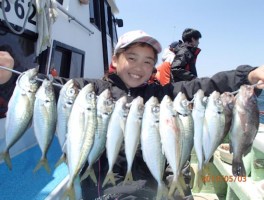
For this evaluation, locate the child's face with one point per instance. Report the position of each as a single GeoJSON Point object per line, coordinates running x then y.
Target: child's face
{"type": "Point", "coordinates": [135, 65]}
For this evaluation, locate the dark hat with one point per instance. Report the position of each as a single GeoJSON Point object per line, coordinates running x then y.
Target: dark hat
{"type": "Point", "coordinates": [174, 44]}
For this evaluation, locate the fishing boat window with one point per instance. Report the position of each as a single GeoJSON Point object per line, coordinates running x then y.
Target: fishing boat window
{"type": "Point", "coordinates": [94, 8]}
{"type": "Point", "coordinates": [67, 61]}
{"type": "Point", "coordinates": [114, 31]}
{"type": "Point", "coordinates": [108, 18]}
{"type": "Point", "coordinates": [60, 1]}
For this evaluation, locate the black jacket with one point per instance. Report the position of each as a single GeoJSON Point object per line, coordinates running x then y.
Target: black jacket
{"type": "Point", "coordinates": [222, 81]}
{"type": "Point", "coordinates": [145, 185]}
{"type": "Point", "coordinates": [183, 66]}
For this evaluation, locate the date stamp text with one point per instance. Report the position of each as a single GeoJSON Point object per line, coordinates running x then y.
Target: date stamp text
{"type": "Point", "coordinates": [225, 179]}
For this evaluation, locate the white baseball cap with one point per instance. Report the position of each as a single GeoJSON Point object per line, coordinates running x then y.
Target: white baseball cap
{"type": "Point", "coordinates": [137, 36]}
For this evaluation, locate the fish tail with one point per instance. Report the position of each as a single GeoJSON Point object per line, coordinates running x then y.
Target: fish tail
{"type": "Point", "coordinates": [6, 156]}
{"type": "Point", "coordinates": [62, 159]}
{"type": "Point", "coordinates": [182, 182]}
{"type": "Point", "coordinates": [198, 181]}
{"type": "Point", "coordinates": [128, 177]}
{"type": "Point", "coordinates": [89, 172]}
{"type": "Point", "coordinates": [200, 164]}
{"type": "Point", "coordinates": [238, 168]}
{"type": "Point", "coordinates": [162, 191]}
{"type": "Point", "coordinates": [205, 170]}
{"type": "Point", "coordinates": [69, 193]}
{"type": "Point", "coordinates": [43, 162]}
{"type": "Point", "coordinates": [109, 177]}
{"type": "Point", "coordinates": [172, 189]}
{"type": "Point", "coordinates": [180, 189]}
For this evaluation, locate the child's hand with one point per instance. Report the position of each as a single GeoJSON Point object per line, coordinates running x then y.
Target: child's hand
{"type": "Point", "coordinates": [257, 77]}
{"type": "Point", "coordinates": [6, 60]}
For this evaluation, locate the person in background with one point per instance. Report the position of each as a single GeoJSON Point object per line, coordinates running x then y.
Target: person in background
{"type": "Point", "coordinates": [163, 74]}
{"type": "Point", "coordinates": [183, 67]}
{"type": "Point", "coordinates": [134, 59]}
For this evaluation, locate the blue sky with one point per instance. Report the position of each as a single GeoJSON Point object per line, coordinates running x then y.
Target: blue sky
{"type": "Point", "coordinates": [232, 30]}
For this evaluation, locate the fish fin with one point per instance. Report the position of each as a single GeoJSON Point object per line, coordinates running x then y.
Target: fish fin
{"type": "Point", "coordinates": [43, 162]}
{"type": "Point", "coordinates": [180, 189]}
{"type": "Point", "coordinates": [238, 168]}
{"type": "Point", "coordinates": [172, 189]}
{"type": "Point", "coordinates": [69, 192]}
{"type": "Point", "coordinates": [64, 147]}
{"type": "Point", "coordinates": [175, 185]}
{"type": "Point", "coordinates": [62, 159]}
{"type": "Point", "coordinates": [192, 176]}
{"type": "Point", "coordinates": [89, 172]}
{"type": "Point", "coordinates": [109, 177]}
{"type": "Point", "coordinates": [128, 177]}
{"type": "Point", "coordinates": [162, 191]}
{"type": "Point", "coordinates": [6, 156]}
{"type": "Point", "coordinates": [205, 170]}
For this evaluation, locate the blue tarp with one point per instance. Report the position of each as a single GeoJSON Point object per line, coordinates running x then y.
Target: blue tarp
{"type": "Point", "coordinates": [21, 183]}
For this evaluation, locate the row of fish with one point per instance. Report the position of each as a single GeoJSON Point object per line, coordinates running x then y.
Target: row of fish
{"type": "Point", "coordinates": [86, 125]}
{"type": "Point", "coordinates": [222, 114]}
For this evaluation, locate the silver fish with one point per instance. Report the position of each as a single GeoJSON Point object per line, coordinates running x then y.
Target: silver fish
{"type": "Point", "coordinates": [115, 136]}
{"type": "Point", "coordinates": [44, 120]}
{"type": "Point", "coordinates": [244, 127]}
{"type": "Point", "coordinates": [68, 94]}
{"type": "Point", "coordinates": [182, 106]}
{"type": "Point", "coordinates": [151, 145]}
{"type": "Point", "coordinates": [81, 130]}
{"type": "Point", "coordinates": [198, 112]}
{"type": "Point", "coordinates": [105, 106]}
{"type": "Point", "coordinates": [20, 110]}
{"type": "Point", "coordinates": [132, 133]}
{"type": "Point", "coordinates": [199, 104]}
{"type": "Point", "coordinates": [171, 139]}
{"type": "Point", "coordinates": [213, 125]}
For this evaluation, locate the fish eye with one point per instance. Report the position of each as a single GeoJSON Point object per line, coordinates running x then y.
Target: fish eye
{"type": "Point", "coordinates": [141, 108]}
{"type": "Point", "coordinates": [108, 102]}
{"type": "Point", "coordinates": [185, 103]}
{"type": "Point", "coordinates": [91, 95]}
{"type": "Point", "coordinates": [218, 101]}
{"type": "Point", "coordinates": [71, 92]}
{"type": "Point", "coordinates": [156, 109]}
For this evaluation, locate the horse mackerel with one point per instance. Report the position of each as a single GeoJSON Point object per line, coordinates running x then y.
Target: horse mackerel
{"type": "Point", "coordinates": [81, 130]}
{"type": "Point", "coordinates": [105, 106]}
{"type": "Point", "coordinates": [151, 145]}
{"type": "Point", "coordinates": [67, 96]}
{"type": "Point", "coordinates": [132, 133]}
{"type": "Point", "coordinates": [115, 136]}
{"type": "Point", "coordinates": [22, 100]}
{"type": "Point", "coordinates": [171, 139]}
{"type": "Point", "coordinates": [44, 120]}
{"type": "Point", "coordinates": [213, 125]}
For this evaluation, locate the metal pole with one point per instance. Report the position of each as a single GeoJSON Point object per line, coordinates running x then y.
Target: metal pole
{"type": "Point", "coordinates": [73, 18]}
